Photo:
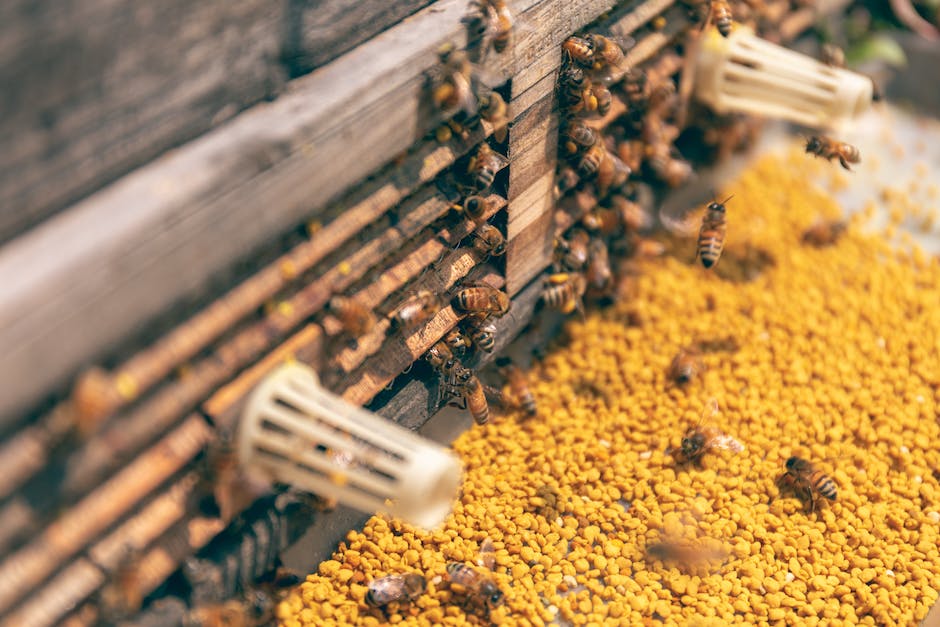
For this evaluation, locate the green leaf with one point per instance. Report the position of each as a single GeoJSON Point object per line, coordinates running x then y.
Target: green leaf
{"type": "Point", "coordinates": [877, 47]}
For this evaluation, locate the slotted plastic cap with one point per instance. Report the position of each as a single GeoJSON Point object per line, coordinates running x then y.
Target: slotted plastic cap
{"type": "Point", "coordinates": [295, 432]}
{"type": "Point", "coordinates": [746, 74]}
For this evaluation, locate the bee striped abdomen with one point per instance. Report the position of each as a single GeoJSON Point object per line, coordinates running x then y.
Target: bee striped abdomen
{"type": "Point", "coordinates": [823, 484]}
{"type": "Point", "coordinates": [710, 245]}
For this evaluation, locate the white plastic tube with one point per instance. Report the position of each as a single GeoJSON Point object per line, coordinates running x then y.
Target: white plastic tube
{"type": "Point", "coordinates": [295, 432]}
{"type": "Point", "coordinates": [746, 74]}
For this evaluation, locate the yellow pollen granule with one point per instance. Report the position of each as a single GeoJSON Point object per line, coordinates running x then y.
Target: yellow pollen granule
{"type": "Point", "coordinates": [834, 359]}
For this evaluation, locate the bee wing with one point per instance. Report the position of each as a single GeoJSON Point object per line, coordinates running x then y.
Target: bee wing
{"type": "Point", "coordinates": [725, 442]}
{"type": "Point", "coordinates": [467, 100]}
{"type": "Point", "coordinates": [487, 557]}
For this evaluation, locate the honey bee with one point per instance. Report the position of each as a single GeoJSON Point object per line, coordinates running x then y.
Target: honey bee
{"type": "Point", "coordinates": [494, 110]}
{"type": "Point", "coordinates": [572, 252]}
{"type": "Point", "coordinates": [518, 385]}
{"type": "Point", "coordinates": [415, 311]}
{"type": "Point", "coordinates": [602, 220]}
{"type": "Point", "coordinates": [440, 356]}
{"type": "Point", "coordinates": [478, 589]}
{"type": "Point", "coordinates": [685, 366]}
{"type": "Point", "coordinates": [832, 55]}
{"type": "Point", "coordinates": [605, 49]}
{"type": "Point", "coordinates": [355, 319]}
{"type": "Point", "coordinates": [451, 82]}
{"type": "Point", "coordinates": [572, 84]}
{"type": "Point", "coordinates": [631, 153]}
{"type": "Point", "coordinates": [635, 88]}
{"type": "Point", "coordinates": [591, 160]}
{"type": "Point", "coordinates": [824, 233]}
{"type": "Point", "coordinates": [563, 291]}
{"type": "Point", "coordinates": [567, 180]}
{"type": "Point", "coordinates": [482, 333]}
{"type": "Point", "coordinates": [700, 439]}
{"type": "Point", "coordinates": [464, 383]}
{"type": "Point", "coordinates": [493, 22]}
{"type": "Point", "coordinates": [721, 15]}
{"type": "Point", "coordinates": [599, 275]}
{"type": "Point", "coordinates": [580, 50]}
{"type": "Point", "coordinates": [631, 214]}
{"type": "Point", "coordinates": [504, 23]}
{"type": "Point", "coordinates": [579, 136]}
{"type": "Point", "coordinates": [479, 299]}
{"type": "Point", "coordinates": [124, 594]}
{"type": "Point", "coordinates": [488, 241]}
{"type": "Point", "coordinates": [602, 98]}
{"type": "Point", "coordinates": [711, 236]}
{"type": "Point", "coordinates": [484, 166]}
{"type": "Point", "coordinates": [400, 588]}
{"type": "Point", "coordinates": [808, 481]}
{"type": "Point", "coordinates": [830, 149]}
{"type": "Point", "coordinates": [475, 207]}
{"type": "Point", "coordinates": [457, 342]}
{"type": "Point", "coordinates": [611, 173]}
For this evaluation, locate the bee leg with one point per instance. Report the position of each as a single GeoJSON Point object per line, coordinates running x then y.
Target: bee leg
{"type": "Point", "coordinates": [845, 164]}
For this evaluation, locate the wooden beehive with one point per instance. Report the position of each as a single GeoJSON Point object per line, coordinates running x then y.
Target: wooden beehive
{"type": "Point", "coordinates": [192, 275]}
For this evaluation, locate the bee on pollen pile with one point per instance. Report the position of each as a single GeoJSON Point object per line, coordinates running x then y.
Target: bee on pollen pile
{"type": "Point", "coordinates": [711, 237]}
{"type": "Point", "coordinates": [808, 481]}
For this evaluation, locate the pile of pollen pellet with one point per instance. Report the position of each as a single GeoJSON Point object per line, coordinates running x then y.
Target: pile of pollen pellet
{"type": "Point", "coordinates": [828, 353]}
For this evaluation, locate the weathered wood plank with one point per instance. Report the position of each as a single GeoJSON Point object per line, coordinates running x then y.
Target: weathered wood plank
{"type": "Point", "coordinates": [74, 583]}
{"type": "Point", "coordinates": [318, 31]}
{"type": "Point", "coordinates": [531, 227]}
{"type": "Point", "coordinates": [90, 90]}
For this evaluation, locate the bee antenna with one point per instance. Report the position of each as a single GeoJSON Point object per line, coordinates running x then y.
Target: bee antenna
{"type": "Point", "coordinates": [727, 199]}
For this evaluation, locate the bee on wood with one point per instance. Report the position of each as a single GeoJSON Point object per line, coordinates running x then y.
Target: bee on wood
{"type": "Point", "coordinates": [832, 55]}
{"type": "Point", "coordinates": [504, 24]}
{"type": "Point", "coordinates": [481, 299]}
{"type": "Point", "coordinates": [518, 385]}
{"type": "Point", "coordinates": [711, 237]}
{"type": "Point", "coordinates": [572, 83]}
{"type": "Point", "coordinates": [356, 319]}
{"type": "Point", "coordinates": [478, 589]}
{"type": "Point", "coordinates": [824, 233]}
{"type": "Point", "coordinates": [564, 291]}
{"type": "Point", "coordinates": [808, 481]}
{"type": "Point", "coordinates": [612, 173]}
{"type": "Point", "coordinates": [591, 160]}
{"type": "Point", "coordinates": [484, 165]}
{"type": "Point", "coordinates": [580, 50]}
{"type": "Point", "coordinates": [700, 439]}
{"type": "Point", "coordinates": [830, 149]}
{"type": "Point", "coordinates": [475, 207]}
{"type": "Point", "coordinates": [566, 180]}
{"type": "Point", "coordinates": [488, 241]}
{"type": "Point", "coordinates": [415, 311]}
{"type": "Point", "coordinates": [578, 136]}
{"type": "Point", "coordinates": [440, 356]}
{"type": "Point", "coordinates": [605, 49]}
{"type": "Point", "coordinates": [721, 15]}
{"type": "Point", "coordinates": [685, 366]}
{"type": "Point", "coordinates": [598, 275]}
{"type": "Point", "coordinates": [494, 110]}
{"type": "Point", "coordinates": [492, 21]}
{"type": "Point", "coordinates": [457, 342]}
{"type": "Point", "coordinates": [397, 588]}
{"type": "Point", "coordinates": [482, 333]}
{"type": "Point", "coordinates": [572, 252]}
{"type": "Point", "coordinates": [451, 86]}
{"type": "Point", "coordinates": [462, 382]}
{"type": "Point", "coordinates": [602, 98]}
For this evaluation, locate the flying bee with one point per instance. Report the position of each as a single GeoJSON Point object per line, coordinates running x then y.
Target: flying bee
{"type": "Point", "coordinates": [563, 291]}
{"type": "Point", "coordinates": [598, 274]}
{"type": "Point", "coordinates": [494, 110]}
{"type": "Point", "coordinates": [808, 481]}
{"type": "Point", "coordinates": [591, 160]}
{"type": "Point", "coordinates": [488, 241]}
{"type": "Point", "coordinates": [832, 55]}
{"type": "Point", "coordinates": [700, 439]}
{"type": "Point", "coordinates": [462, 382]}
{"type": "Point", "coordinates": [685, 366]}
{"type": "Point", "coordinates": [415, 311]}
{"type": "Point", "coordinates": [711, 237]}
{"type": "Point", "coordinates": [605, 50]}
{"type": "Point", "coordinates": [572, 252]}
{"type": "Point", "coordinates": [830, 149]}
{"type": "Point", "coordinates": [824, 233]}
{"type": "Point", "coordinates": [484, 165]}
{"type": "Point", "coordinates": [579, 136]}
{"type": "Point", "coordinates": [580, 50]}
{"type": "Point", "coordinates": [478, 589]}
{"type": "Point", "coordinates": [518, 385]}
{"type": "Point", "coordinates": [398, 588]}
{"type": "Point", "coordinates": [451, 83]}
{"type": "Point", "coordinates": [355, 319]}
{"type": "Point", "coordinates": [602, 97]}
{"type": "Point", "coordinates": [475, 207]}
{"type": "Point", "coordinates": [479, 299]}
{"type": "Point", "coordinates": [482, 333]}
{"type": "Point", "coordinates": [720, 11]}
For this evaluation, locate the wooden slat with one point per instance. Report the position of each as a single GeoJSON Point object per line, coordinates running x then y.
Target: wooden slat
{"type": "Point", "coordinates": [70, 586]}
{"type": "Point", "coordinates": [79, 525]}
{"type": "Point", "coordinates": [531, 233]}
{"type": "Point", "coordinates": [93, 89]}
